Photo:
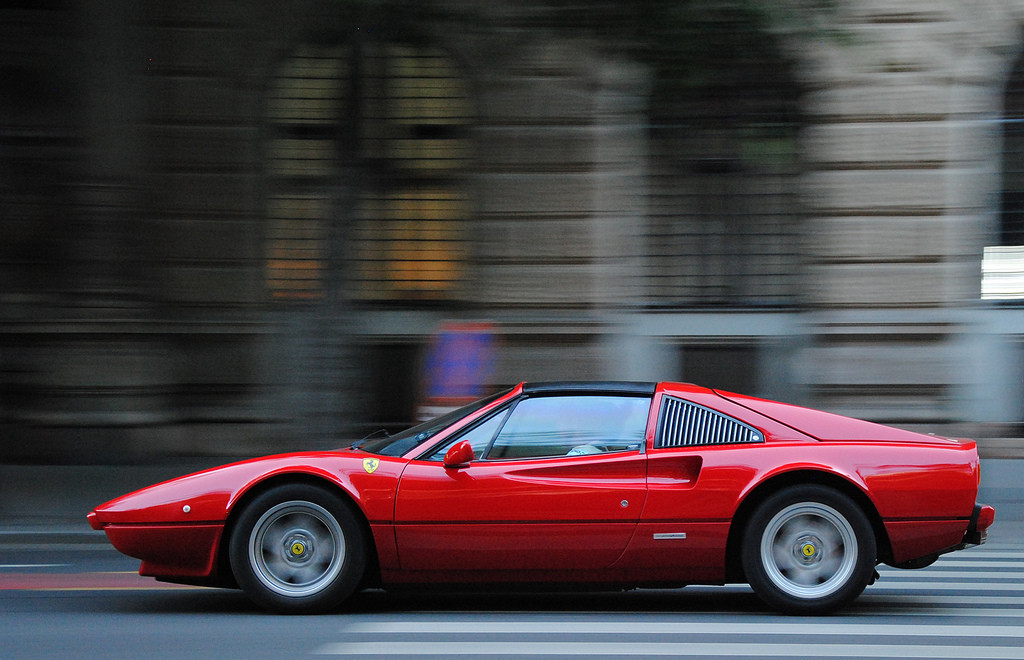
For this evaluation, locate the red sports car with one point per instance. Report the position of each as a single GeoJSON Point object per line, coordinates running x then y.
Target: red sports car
{"type": "Point", "coordinates": [603, 484]}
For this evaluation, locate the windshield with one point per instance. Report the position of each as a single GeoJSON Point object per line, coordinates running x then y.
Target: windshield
{"type": "Point", "coordinates": [398, 444]}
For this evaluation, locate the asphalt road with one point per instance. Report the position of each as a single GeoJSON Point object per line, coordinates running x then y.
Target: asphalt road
{"type": "Point", "coordinates": [83, 600]}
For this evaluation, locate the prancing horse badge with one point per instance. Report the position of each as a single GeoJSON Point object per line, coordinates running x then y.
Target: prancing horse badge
{"type": "Point", "coordinates": [370, 465]}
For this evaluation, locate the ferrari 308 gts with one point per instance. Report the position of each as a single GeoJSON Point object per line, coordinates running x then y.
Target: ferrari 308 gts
{"type": "Point", "coordinates": [609, 485]}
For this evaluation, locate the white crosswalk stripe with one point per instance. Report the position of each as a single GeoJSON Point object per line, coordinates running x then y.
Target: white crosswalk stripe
{"type": "Point", "coordinates": [967, 605]}
{"type": "Point", "coordinates": [681, 628]}
{"type": "Point", "coordinates": [646, 649]}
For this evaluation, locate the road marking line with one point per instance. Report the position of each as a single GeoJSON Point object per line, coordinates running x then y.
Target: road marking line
{"type": "Point", "coordinates": [939, 573]}
{"type": "Point", "coordinates": [688, 649]}
{"type": "Point", "coordinates": [889, 585]}
{"type": "Point", "coordinates": [972, 563]}
{"type": "Point", "coordinates": [987, 612]}
{"type": "Point", "coordinates": [680, 628]}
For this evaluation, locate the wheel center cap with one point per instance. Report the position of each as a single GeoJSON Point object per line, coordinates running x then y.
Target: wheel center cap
{"type": "Point", "coordinates": [298, 547]}
{"type": "Point", "coordinates": [807, 550]}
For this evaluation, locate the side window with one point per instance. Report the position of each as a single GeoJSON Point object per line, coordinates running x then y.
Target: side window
{"type": "Point", "coordinates": [479, 437]}
{"type": "Point", "coordinates": [572, 426]}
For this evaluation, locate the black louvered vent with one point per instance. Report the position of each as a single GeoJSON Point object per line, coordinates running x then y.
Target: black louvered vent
{"type": "Point", "coordinates": [684, 424]}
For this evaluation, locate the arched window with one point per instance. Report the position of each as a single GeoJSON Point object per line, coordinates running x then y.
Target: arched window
{"type": "Point", "coordinates": [303, 157]}
{"type": "Point", "coordinates": [1003, 264]}
{"type": "Point", "coordinates": [386, 124]}
{"type": "Point", "coordinates": [725, 216]}
{"type": "Point", "coordinates": [1011, 212]}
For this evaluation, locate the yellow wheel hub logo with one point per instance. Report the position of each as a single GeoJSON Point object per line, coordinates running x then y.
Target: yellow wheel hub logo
{"type": "Point", "coordinates": [370, 465]}
{"type": "Point", "coordinates": [808, 550]}
{"type": "Point", "coordinates": [298, 548]}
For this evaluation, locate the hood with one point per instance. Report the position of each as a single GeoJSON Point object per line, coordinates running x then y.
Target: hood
{"type": "Point", "coordinates": [207, 496]}
{"type": "Point", "coordinates": [827, 426]}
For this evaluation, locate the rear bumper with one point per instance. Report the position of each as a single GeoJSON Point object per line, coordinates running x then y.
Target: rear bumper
{"type": "Point", "coordinates": [981, 520]}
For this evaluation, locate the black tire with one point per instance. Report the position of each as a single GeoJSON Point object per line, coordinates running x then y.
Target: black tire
{"type": "Point", "coordinates": [808, 550]}
{"type": "Point", "coordinates": [298, 549]}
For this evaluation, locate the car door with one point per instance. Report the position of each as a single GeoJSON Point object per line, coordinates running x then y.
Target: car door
{"type": "Point", "coordinates": [558, 484]}
{"type": "Point", "coordinates": [699, 462]}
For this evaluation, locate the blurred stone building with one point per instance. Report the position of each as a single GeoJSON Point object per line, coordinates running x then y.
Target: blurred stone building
{"type": "Point", "coordinates": [232, 227]}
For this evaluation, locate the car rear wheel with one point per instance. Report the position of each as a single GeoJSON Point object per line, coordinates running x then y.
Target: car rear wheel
{"type": "Point", "coordinates": [808, 550]}
{"type": "Point", "coordinates": [298, 548]}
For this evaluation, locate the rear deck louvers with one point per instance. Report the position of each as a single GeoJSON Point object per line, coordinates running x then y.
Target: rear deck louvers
{"type": "Point", "coordinates": [685, 424]}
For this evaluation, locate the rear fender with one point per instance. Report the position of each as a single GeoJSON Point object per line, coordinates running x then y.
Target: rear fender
{"type": "Point", "coordinates": [777, 481]}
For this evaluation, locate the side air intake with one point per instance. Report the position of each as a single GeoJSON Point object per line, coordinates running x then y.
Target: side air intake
{"type": "Point", "coordinates": [685, 424]}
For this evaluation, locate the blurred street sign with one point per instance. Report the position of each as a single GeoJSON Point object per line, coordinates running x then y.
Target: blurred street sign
{"type": "Point", "coordinates": [458, 366]}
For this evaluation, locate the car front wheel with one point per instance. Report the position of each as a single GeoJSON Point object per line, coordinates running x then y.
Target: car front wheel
{"type": "Point", "coordinates": [297, 549]}
{"type": "Point", "coordinates": [808, 550]}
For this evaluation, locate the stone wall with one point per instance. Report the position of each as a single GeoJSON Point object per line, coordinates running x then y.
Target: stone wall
{"type": "Point", "coordinates": [902, 153]}
{"type": "Point", "coordinates": [135, 319]}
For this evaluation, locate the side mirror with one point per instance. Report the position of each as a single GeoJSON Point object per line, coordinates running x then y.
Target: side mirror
{"type": "Point", "coordinates": [459, 455]}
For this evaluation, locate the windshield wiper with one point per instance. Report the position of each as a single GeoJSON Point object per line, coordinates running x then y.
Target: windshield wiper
{"type": "Point", "coordinates": [379, 433]}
